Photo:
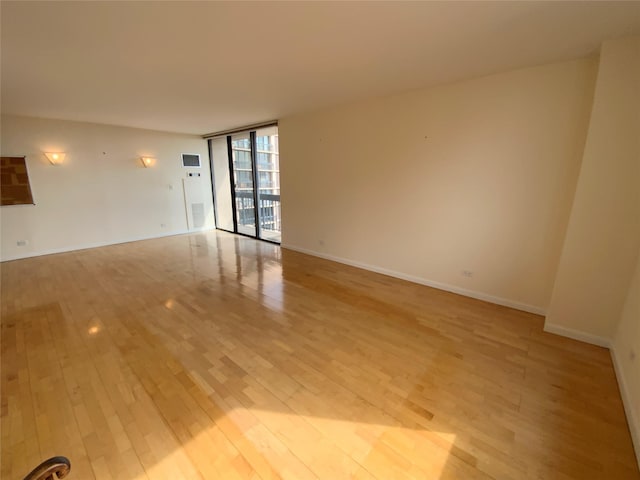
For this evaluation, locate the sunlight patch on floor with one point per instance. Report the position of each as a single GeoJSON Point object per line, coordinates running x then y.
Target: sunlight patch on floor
{"type": "Point", "coordinates": [291, 444]}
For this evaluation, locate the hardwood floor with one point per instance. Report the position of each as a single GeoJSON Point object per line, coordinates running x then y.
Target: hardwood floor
{"type": "Point", "coordinates": [218, 357]}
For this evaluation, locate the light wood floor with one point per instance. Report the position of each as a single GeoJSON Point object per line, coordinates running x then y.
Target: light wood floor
{"type": "Point", "coordinates": [218, 357]}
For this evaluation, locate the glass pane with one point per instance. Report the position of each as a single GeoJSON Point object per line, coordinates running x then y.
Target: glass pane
{"type": "Point", "coordinates": [221, 183]}
{"type": "Point", "coordinates": [243, 181]}
{"type": "Point", "coordinates": [268, 168]}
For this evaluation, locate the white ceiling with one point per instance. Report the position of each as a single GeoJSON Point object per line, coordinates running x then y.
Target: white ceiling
{"type": "Point", "coordinates": [200, 67]}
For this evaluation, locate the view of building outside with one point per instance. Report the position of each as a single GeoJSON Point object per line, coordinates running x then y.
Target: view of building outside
{"type": "Point", "coordinates": [268, 176]}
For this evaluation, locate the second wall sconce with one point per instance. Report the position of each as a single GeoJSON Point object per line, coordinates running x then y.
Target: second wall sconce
{"type": "Point", "coordinates": [146, 161]}
{"type": "Point", "coordinates": [56, 158]}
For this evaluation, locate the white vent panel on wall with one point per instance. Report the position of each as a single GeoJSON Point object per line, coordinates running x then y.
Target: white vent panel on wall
{"type": "Point", "coordinates": [197, 214]}
{"type": "Point", "coordinates": [196, 202]}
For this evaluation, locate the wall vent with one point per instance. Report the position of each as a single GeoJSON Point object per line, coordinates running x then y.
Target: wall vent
{"type": "Point", "coordinates": [197, 213]}
{"type": "Point", "coordinates": [191, 160]}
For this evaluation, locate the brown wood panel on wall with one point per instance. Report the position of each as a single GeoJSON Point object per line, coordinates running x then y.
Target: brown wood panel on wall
{"type": "Point", "coordinates": [14, 180]}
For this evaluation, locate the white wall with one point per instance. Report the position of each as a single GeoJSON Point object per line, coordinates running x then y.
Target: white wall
{"type": "Point", "coordinates": [477, 176]}
{"type": "Point", "coordinates": [603, 236]}
{"type": "Point", "coordinates": [626, 353]}
{"type": "Point", "coordinates": [101, 194]}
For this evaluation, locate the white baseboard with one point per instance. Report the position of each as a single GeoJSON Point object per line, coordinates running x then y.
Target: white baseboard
{"type": "Point", "coordinates": [85, 246]}
{"type": "Point", "coordinates": [577, 335]}
{"type": "Point", "coordinates": [627, 401]}
{"type": "Point", "coordinates": [423, 281]}
{"type": "Point", "coordinates": [632, 420]}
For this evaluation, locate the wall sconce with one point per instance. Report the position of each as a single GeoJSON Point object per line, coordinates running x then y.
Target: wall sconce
{"type": "Point", "coordinates": [55, 158]}
{"type": "Point", "coordinates": [146, 161]}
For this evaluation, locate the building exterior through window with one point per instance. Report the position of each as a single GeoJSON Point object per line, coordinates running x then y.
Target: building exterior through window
{"type": "Point", "coordinates": [255, 180]}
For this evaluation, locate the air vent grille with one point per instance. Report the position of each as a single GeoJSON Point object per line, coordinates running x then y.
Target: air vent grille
{"type": "Point", "coordinates": [197, 213]}
{"type": "Point", "coordinates": [191, 160]}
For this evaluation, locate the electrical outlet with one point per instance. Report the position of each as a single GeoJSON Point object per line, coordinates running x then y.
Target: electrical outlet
{"type": "Point", "coordinates": [22, 243]}
{"type": "Point", "coordinates": [163, 225]}
{"type": "Point", "coordinates": [467, 273]}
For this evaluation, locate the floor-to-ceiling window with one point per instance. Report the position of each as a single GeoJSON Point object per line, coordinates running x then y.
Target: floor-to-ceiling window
{"type": "Point", "coordinates": [268, 175]}
{"type": "Point", "coordinates": [245, 170]}
{"type": "Point", "coordinates": [243, 183]}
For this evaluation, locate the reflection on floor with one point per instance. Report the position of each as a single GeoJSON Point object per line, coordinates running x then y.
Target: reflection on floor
{"type": "Point", "coordinates": [219, 357]}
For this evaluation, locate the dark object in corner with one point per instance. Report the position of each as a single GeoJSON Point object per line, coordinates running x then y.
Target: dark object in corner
{"type": "Point", "coordinates": [52, 469]}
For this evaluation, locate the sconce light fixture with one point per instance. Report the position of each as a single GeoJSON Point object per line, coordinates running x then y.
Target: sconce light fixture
{"type": "Point", "coordinates": [56, 158]}
{"type": "Point", "coordinates": [146, 161]}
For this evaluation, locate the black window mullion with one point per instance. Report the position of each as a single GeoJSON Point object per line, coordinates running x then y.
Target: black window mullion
{"type": "Point", "coordinates": [232, 176]}
{"type": "Point", "coordinates": [213, 184]}
{"type": "Point", "coordinates": [254, 169]}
